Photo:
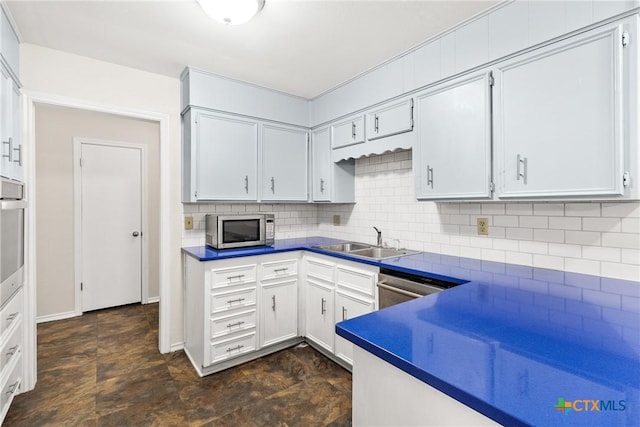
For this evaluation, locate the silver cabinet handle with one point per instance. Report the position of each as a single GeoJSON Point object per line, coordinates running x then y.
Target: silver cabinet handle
{"type": "Point", "coordinates": [12, 387]}
{"type": "Point", "coordinates": [231, 301]}
{"type": "Point", "coordinates": [521, 161]}
{"type": "Point", "coordinates": [344, 313]}
{"type": "Point", "coordinates": [238, 347]}
{"type": "Point", "coordinates": [13, 350]}
{"type": "Point", "coordinates": [273, 302]}
{"type": "Point", "coordinates": [376, 122]}
{"type": "Point", "coordinates": [239, 277]}
{"type": "Point", "coordinates": [321, 185]}
{"type": "Point", "coordinates": [273, 185]}
{"type": "Point", "coordinates": [246, 184]}
{"type": "Point", "coordinates": [278, 270]}
{"type": "Point", "coordinates": [19, 150]}
{"type": "Point", "coordinates": [430, 176]}
{"type": "Point", "coordinates": [11, 317]}
{"type": "Point", "coordinates": [353, 130]}
{"type": "Point", "coordinates": [10, 150]}
{"type": "Point", "coordinates": [323, 308]}
{"type": "Point", "coordinates": [231, 325]}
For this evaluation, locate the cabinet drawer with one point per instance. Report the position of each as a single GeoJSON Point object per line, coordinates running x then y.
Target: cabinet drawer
{"type": "Point", "coordinates": [11, 313]}
{"type": "Point", "coordinates": [221, 350]}
{"type": "Point", "coordinates": [320, 269]}
{"type": "Point", "coordinates": [11, 349]}
{"type": "Point", "coordinates": [226, 325]}
{"type": "Point", "coordinates": [356, 280]}
{"type": "Point", "coordinates": [234, 299]}
{"type": "Point", "coordinates": [12, 385]}
{"type": "Point", "coordinates": [278, 269]}
{"type": "Point", "coordinates": [233, 276]}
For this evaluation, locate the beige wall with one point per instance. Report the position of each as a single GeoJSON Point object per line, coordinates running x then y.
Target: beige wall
{"type": "Point", "coordinates": [55, 128]}
{"type": "Point", "coordinates": [54, 74]}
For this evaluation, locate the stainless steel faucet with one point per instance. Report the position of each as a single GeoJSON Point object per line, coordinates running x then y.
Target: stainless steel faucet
{"type": "Point", "coordinates": [379, 241]}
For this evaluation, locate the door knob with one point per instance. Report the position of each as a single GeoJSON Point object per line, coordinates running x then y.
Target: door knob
{"type": "Point", "coordinates": [135, 234]}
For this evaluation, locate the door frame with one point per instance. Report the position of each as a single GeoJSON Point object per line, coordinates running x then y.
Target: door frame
{"type": "Point", "coordinates": [30, 99]}
{"type": "Point", "coordinates": [77, 214]}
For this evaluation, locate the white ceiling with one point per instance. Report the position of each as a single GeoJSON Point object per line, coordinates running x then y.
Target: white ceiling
{"type": "Point", "coordinates": [302, 47]}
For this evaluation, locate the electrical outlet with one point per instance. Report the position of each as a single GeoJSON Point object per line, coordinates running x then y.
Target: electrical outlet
{"type": "Point", "coordinates": [188, 223]}
{"type": "Point", "coordinates": [336, 220]}
{"type": "Point", "coordinates": [483, 226]}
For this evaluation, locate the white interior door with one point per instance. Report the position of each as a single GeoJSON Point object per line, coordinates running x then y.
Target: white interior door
{"type": "Point", "coordinates": [111, 222]}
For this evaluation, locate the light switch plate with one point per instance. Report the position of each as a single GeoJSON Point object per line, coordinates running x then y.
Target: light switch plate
{"type": "Point", "coordinates": [188, 223]}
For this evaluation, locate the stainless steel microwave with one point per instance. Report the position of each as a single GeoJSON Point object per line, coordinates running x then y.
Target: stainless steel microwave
{"type": "Point", "coordinates": [239, 230]}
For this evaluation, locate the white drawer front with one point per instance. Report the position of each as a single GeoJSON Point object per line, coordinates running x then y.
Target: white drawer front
{"type": "Point", "coordinates": [230, 324]}
{"type": "Point", "coordinates": [10, 349]}
{"type": "Point", "coordinates": [233, 276]}
{"type": "Point", "coordinates": [11, 313]}
{"type": "Point", "coordinates": [221, 350]}
{"type": "Point", "coordinates": [240, 298]}
{"type": "Point", "coordinates": [11, 386]}
{"type": "Point", "coordinates": [278, 269]}
{"type": "Point", "coordinates": [319, 269]}
{"type": "Point", "coordinates": [356, 280]}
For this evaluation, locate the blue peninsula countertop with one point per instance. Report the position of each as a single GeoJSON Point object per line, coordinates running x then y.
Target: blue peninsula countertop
{"type": "Point", "coordinates": [521, 345]}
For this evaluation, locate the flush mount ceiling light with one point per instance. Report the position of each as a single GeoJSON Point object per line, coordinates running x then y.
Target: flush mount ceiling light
{"type": "Point", "coordinates": [231, 12]}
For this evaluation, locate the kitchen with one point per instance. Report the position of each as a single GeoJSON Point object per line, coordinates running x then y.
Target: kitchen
{"type": "Point", "coordinates": [598, 238]}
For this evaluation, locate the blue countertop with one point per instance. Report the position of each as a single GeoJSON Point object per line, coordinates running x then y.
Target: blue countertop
{"type": "Point", "coordinates": [521, 345]}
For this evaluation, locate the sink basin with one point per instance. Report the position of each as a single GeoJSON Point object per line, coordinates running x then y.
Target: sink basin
{"type": "Point", "coordinates": [363, 250]}
{"type": "Point", "coordinates": [381, 253]}
{"type": "Point", "coordinates": [344, 247]}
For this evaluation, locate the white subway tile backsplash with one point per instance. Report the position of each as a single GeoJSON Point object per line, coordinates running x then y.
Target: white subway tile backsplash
{"type": "Point", "coordinates": [600, 238]}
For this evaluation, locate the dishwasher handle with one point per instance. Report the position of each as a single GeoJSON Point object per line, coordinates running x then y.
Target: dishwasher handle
{"type": "Point", "coordinates": [383, 285]}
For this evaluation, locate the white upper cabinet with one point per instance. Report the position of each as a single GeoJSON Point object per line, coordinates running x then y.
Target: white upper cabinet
{"type": "Point", "coordinates": [390, 119]}
{"type": "Point", "coordinates": [559, 116]}
{"type": "Point", "coordinates": [9, 46]}
{"type": "Point", "coordinates": [452, 158]}
{"type": "Point", "coordinates": [347, 132]}
{"type": "Point", "coordinates": [221, 157]}
{"type": "Point", "coordinates": [10, 130]}
{"type": "Point", "coordinates": [331, 182]}
{"type": "Point", "coordinates": [284, 163]}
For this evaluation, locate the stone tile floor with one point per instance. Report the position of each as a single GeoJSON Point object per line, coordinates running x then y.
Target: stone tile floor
{"type": "Point", "coordinates": [104, 369]}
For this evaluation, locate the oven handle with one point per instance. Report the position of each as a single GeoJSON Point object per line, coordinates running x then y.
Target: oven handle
{"type": "Point", "coordinates": [398, 290]}
{"type": "Point", "coordinates": [13, 204]}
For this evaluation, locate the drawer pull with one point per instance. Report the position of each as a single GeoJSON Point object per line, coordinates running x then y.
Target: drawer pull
{"type": "Point", "coordinates": [231, 301]}
{"type": "Point", "coordinates": [12, 316]}
{"type": "Point", "coordinates": [12, 388]}
{"type": "Point", "coordinates": [239, 277]}
{"type": "Point", "coordinates": [231, 325]}
{"type": "Point", "coordinates": [238, 347]}
{"type": "Point", "coordinates": [323, 308]}
{"type": "Point", "coordinates": [13, 350]}
{"type": "Point", "coordinates": [278, 270]}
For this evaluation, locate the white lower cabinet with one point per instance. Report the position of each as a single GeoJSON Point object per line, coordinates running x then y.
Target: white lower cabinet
{"type": "Point", "coordinates": [279, 308]}
{"type": "Point", "coordinates": [11, 345]}
{"type": "Point", "coordinates": [347, 307]}
{"type": "Point", "coordinates": [319, 311]}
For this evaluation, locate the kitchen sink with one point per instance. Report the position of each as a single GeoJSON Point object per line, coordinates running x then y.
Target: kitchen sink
{"type": "Point", "coordinates": [362, 250]}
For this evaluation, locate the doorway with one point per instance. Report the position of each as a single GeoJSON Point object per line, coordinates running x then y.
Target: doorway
{"type": "Point", "coordinates": [109, 205]}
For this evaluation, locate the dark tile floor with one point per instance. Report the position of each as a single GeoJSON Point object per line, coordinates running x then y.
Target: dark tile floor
{"type": "Point", "coordinates": [104, 369]}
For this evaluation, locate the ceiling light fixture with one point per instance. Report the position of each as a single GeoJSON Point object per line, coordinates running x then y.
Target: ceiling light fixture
{"type": "Point", "coordinates": [231, 12]}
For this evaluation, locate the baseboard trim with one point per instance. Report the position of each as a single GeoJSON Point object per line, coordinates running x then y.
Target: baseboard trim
{"type": "Point", "coordinates": [152, 300]}
{"type": "Point", "coordinates": [176, 347]}
{"type": "Point", "coordinates": [57, 316]}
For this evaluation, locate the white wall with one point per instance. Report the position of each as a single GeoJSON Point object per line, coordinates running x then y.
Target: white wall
{"type": "Point", "coordinates": [596, 238]}
{"type": "Point", "coordinates": [66, 76]}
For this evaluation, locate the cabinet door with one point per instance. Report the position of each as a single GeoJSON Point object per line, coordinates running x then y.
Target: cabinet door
{"type": "Point", "coordinates": [348, 307]}
{"type": "Point", "coordinates": [226, 157]}
{"type": "Point", "coordinates": [559, 118]}
{"type": "Point", "coordinates": [279, 312]}
{"type": "Point", "coordinates": [284, 163]}
{"type": "Point", "coordinates": [6, 161]}
{"type": "Point", "coordinates": [391, 119]}
{"type": "Point", "coordinates": [347, 132]}
{"type": "Point", "coordinates": [453, 158]}
{"type": "Point", "coordinates": [319, 313]}
{"type": "Point", "coordinates": [16, 140]}
{"type": "Point", "coordinates": [321, 173]}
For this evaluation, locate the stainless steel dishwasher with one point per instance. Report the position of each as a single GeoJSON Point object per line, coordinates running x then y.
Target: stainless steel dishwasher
{"type": "Point", "coordinates": [395, 287]}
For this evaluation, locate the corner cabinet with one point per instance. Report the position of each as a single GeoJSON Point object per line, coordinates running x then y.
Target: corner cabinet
{"type": "Point", "coordinates": [284, 163]}
{"type": "Point", "coordinates": [279, 301]}
{"type": "Point", "coordinates": [330, 182]}
{"type": "Point", "coordinates": [565, 116]}
{"type": "Point", "coordinates": [220, 156]}
{"type": "Point", "coordinates": [453, 155]}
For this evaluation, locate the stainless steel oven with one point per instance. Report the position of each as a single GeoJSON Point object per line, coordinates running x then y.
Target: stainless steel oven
{"type": "Point", "coordinates": [12, 207]}
{"type": "Point", "coordinates": [395, 287]}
